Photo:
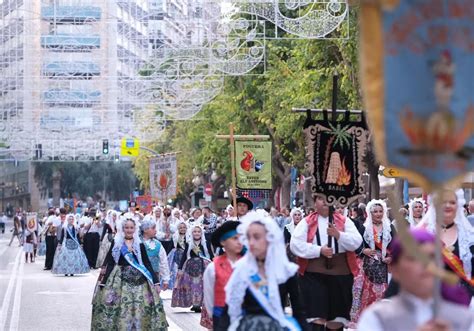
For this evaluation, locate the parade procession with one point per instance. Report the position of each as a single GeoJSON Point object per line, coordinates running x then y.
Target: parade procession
{"type": "Point", "coordinates": [241, 165]}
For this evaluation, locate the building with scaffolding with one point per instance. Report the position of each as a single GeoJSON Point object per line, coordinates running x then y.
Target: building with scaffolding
{"type": "Point", "coordinates": [69, 73]}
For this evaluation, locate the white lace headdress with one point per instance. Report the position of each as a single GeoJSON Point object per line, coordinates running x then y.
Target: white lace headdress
{"type": "Point", "coordinates": [120, 238]}
{"type": "Point", "coordinates": [291, 226]}
{"type": "Point", "coordinates": [412, 203]}
{"type": "Point", "coordinates": [369, 227]}
{"type": "Point", "coordinates": [278, 270]}
{"type": "Point", "coordinates": [192, 244]}
{"type": "Point", "coordinates": [465, 229]}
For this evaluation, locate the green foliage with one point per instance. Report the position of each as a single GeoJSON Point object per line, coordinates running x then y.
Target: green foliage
{"type": "Point", "coordinates": [87, 179]}
{"type": "Point", "coordinates": [298, 74]}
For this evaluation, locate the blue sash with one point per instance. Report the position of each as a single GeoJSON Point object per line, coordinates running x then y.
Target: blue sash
{"type": "Point", "coordinates": [73, 237]}
{"type": "Point", "coordinates": [130, 258]}
{"type": "Point", "coordinates": [261, 296]}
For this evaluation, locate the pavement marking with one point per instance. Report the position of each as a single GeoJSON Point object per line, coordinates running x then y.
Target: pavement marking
{"type": "Point", "coordinates": [15, 319]}
{"type": "Point", "coordinates": [8, 293]}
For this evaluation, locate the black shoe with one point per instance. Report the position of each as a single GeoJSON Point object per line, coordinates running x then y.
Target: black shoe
{"type": "Point", "coordinates": [72, 275]}
{"type": "Point", "coordinates": [45, 268]}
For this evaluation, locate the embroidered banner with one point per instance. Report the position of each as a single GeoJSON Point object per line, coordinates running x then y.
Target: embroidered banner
{"type": "Point", "coordinates": [31, 221]}
{"type": "Point", "coordinates": [254, 164]}
{"type": "Point", "coordinates": [335, 152]}
{"type": "Point", "coordinates": [417, 76]}
{"type": "Point", "coordinates": [163, 177]}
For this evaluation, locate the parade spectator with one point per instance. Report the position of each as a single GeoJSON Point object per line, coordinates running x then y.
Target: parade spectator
{"type": "Point", "coordinates": [16, 231]}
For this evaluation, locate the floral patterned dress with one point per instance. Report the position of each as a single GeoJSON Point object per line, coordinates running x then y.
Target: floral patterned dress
{"type": "Point", "coordinates": [69, 257]}
{"type": "Point", "coordinates": [125, 300]}
{"type": "Point", "coordinates": [372, 281]}
{"type": "Point", "coordinates": [188, 288]}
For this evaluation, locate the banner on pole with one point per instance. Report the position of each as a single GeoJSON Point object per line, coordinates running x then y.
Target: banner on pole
{"type": "Point", "coordinates": [31, 221]}
{"type": "Point", "coordinates": [163, 177]}
{"type": "Point", "coordinates": [254, 164]}
{"type": "Point", "coordinates": [335, 153]}
{"type": "Point", "coordinates": [417, 76]}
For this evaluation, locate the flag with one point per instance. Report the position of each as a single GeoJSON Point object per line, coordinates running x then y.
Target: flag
{"type": "Point", "coordinates": [253, 164]}
{"type": "Point", "coordinates": [417, 74]}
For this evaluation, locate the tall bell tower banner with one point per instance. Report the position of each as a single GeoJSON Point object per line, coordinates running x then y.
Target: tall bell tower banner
{"type": "Point", "coordinates": [335, 153]}
{"type": "Point", "coordinates": [254, 164]}
{"type": "Point", "coordinates": [417, 74]}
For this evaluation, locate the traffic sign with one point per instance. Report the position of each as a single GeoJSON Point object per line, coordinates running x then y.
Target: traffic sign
{"type": "Point", "coordinates": [129, 147]}
{"type": "Point", "coordinates": [208, 189]}
{"type": "Point", "coordinates": [392, 173]}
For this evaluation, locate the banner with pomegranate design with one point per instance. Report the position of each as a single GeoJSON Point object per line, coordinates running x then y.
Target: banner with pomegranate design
{"type": "Point", "coordinates": [418, 84]}
{"type": "Point", "coordinates": [163, 177]}
{"type": "Point", "coordinates": [253, 164]}
{"type": "Point", "coordinates": [335, 152]}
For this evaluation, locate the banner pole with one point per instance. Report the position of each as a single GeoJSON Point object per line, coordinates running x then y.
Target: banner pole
{"type": "Point", "coordinates": [232, 161]}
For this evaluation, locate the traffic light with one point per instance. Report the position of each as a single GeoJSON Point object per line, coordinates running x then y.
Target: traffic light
{"type": "Point", "coordinates": [105, 146]}
{"type": "Point", "coordinates": [38, 151]}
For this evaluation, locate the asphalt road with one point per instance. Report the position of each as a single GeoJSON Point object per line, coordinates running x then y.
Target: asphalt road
{"type": "Point", "coordinates": [32, 299]}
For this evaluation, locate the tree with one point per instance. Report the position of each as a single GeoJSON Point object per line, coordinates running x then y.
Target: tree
{"type": "Point", "coordinates": [298, 74]}
{"type": "Point", "coordinates": [107, 180]}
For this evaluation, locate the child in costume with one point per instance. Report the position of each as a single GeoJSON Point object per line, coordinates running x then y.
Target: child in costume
{"type": "Point", "coordinates": [217, 275]}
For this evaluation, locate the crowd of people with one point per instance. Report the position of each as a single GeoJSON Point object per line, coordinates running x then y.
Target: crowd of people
{"type": "Point", "coordinates": [317, 269]}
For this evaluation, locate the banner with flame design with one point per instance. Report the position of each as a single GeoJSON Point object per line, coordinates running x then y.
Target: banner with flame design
{"type": "Point", "coordinates": [417, 76]}
{"type": "Point", "coordinates": [335, 153]}
{"type": "Point", "coordinates": [163, 177]}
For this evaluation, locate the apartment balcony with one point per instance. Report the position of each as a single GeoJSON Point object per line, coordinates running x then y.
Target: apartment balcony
{"type": "Point", "coordinates": [70, 42]}
{"type": "Point", "coordinates": [71, 14]}
{"type": "Point", "coordinates": [78, 98]}
{"type": "Point", "coordinates": [71, 69]}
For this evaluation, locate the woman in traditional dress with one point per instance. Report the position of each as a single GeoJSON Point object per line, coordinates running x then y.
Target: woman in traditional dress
{"type": "Point", "coordinates": [188, 288]}
{"type": "Point", "coordinates": [108, 233]}
{"type": "Point", "coordinates": [456, 233]}
{"type": "Point", "coordinates": [254, 291]}
{"type": "Point", "coordinates": [175, 256]}
{"type": "Point", "coordinates": [69, 258]}
{"type": "Point", "coordinates": [416, 211]}
{"type": "Point", "coordinates": [127, 294]}
{"type": "Point", "coordinates": [155, 251]}
{"type": "Point", "coordinates": [372, 281]}
{"type": "Point", "coordinates": [296, 215]}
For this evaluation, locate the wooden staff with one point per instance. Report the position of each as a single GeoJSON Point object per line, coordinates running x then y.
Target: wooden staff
{"type": "Point", "coordinates": [232, 161]}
